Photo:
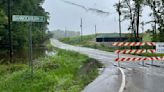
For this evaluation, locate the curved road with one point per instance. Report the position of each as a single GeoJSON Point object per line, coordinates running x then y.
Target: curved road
{"type": "Point", "coordinates": [138, 78]}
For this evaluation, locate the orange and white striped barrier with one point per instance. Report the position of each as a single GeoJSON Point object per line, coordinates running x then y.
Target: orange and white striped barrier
{"type": "Point", "coordinates": [151, 51]}
{"type": "Point", "coordinates": [151, 43]}
{"type": "Point", "coordinates": [138, 51]}
{"type": "Point", "coordinates": [133, 43]}
{"type": "Point", "coordinates": [128, 43]}
{"type": "Point", "coordinates": [140, 59]}
{"type": "Point", "coordinates": [131, 59]}
{"type": "Point", "coordinates": [156, 58]}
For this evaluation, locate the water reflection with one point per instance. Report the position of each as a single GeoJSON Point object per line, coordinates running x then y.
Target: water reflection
{"type": "Point", "coordinates": [22, 56]}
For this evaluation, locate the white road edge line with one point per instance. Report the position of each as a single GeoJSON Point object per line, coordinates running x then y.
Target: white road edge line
{"type": "Point", "coordinates": [123, 80]}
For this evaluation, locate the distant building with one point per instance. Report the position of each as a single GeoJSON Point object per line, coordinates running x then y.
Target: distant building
{"type": "Point", "coordinates": [111, 37]}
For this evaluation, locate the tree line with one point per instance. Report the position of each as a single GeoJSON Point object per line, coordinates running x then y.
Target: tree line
{"type": "Point", "coordinates": [20, 30]}
{"type": "Point", "coordinates": [132, 10]}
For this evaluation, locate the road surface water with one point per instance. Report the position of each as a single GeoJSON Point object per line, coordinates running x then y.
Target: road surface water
{"type": "Point", "coordinates": [138, 78]}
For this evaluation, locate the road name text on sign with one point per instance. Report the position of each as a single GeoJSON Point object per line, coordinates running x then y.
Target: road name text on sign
{"type": "Point", "coordinates": [26, 18]}
{"type": "Point", "coordinates": [159, 47]}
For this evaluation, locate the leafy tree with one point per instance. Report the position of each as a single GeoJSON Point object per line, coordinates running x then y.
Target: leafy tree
{"type": "Point", "coordinates": [20, 29]}
{"type": "Point", "coordinates": [157, 7]}
{"type": "Point", "coordinates": [118, 9]}
{"type": "Point", "coordinates": [3, 22]}
{"type": "Point", "coordinates": [132, 10]}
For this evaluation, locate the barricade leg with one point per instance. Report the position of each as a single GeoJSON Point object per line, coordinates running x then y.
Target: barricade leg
{"type": "Point", "coordinates": [143, 64]}
{"type": "Point", "coordinates": [118, 63]}
{"type": "Point", "coordinates": [118, 60]}
{"type": "Point", "coordinates": [152, 62]}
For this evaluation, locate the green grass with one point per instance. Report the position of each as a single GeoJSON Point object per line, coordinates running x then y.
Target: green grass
{"type": "Point", "coordinates": [66, 72]}
{"type": "Point", "coordinates": [77, 40]}
{"type": "Point", "coordinates": [151, 55]}
{"type": "Point", "coordinates": [147, 37]}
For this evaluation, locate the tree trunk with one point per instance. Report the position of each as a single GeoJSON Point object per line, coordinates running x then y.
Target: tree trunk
{"type": "Point", "coordinates": [138, 22]}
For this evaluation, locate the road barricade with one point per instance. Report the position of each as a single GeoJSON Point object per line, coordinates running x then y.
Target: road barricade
{"type": "Point", "coordinates": [135, 51]}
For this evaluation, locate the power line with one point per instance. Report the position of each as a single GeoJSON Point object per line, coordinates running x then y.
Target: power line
{"type": "Point", "coordinates": [95, 10]}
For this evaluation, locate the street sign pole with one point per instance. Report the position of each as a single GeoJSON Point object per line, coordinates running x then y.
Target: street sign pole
{"type": "Point", "coordinates": [30, 49]}
{"type": "Point", "coordinates": [27, 18]}
{"type": "Point", "coordinates": [9, 29]}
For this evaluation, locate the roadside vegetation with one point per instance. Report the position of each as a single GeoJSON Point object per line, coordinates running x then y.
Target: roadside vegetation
{"type": "Point", "coordinates": [20, 30]}
{"type": "Point", "coordinates": [66, 72]}
{"type": "Point", "coordinates": [151, 55]}
{"type": "Point", "coordinates": [87, 41]}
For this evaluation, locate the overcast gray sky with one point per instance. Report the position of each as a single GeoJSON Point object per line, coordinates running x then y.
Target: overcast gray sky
{"type": "Point", "coordinates": [63, 15]}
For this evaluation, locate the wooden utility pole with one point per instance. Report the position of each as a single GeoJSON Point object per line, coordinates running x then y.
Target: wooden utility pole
{"type": "Point", "coordinates": [95, 31]}
{"type": "Point", "coordinates": [81, 26]}
{"type": "Point", "coordinates": [65, 33]}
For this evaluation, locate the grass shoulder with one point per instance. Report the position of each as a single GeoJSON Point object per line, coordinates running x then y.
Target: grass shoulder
{"type": "Point", "coordinates": [66, 72]}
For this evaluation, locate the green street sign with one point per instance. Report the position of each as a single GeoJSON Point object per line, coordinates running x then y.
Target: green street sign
{"type": "Point", "coordinates": [26, 18]}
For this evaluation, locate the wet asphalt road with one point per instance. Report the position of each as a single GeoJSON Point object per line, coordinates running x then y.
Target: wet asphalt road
{"type": "Point", "coordinates": [138, 78]}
